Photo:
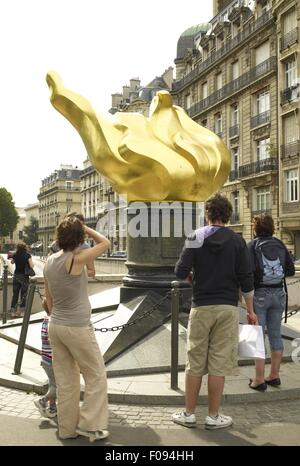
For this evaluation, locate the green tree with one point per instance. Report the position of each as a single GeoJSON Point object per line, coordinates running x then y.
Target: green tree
{"type": "Point", "coordinates": [8, 214]}
{"type": "Point", "coordinates": [30, 231]}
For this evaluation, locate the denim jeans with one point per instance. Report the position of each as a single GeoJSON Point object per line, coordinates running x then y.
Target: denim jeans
{"type": "Point", "coordinates": [269, 304]}
{"type": "Point", "coordinates": [20, 284]}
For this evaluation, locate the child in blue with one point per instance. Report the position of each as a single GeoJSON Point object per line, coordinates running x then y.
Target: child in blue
{"type": "Point", "coordinates": [47, 404]}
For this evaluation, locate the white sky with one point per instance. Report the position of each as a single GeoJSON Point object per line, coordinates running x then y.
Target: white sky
{"type": "Point", "coordinates": [96, 46]}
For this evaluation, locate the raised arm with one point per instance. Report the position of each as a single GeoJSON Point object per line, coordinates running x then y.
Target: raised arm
{"type": "Point", "coordinates": [85, 256]}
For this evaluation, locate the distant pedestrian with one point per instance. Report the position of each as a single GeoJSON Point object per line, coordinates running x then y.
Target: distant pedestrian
{"type": "Point", "coordinates": [72, 337]}
{"type": "Point", "coordinates": [271, 263]}
{"type": "Point", "coordinates": [220, 262]}
{"type": "Point", "coordinates": [21, 259]}
{"type": "Point", "coordinates": [47, 404]}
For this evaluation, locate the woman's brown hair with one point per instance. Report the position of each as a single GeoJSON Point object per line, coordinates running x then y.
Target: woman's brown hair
{"type": "Point", "coordinates": [70, 233]}
{"type": "Point", "coordinates": [21, 246]}
{"type": "Point", "coordinates": [263, 225]}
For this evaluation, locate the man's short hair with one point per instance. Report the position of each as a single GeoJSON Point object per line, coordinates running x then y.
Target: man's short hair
{"type": "Point", "coordinates": [218, 208]}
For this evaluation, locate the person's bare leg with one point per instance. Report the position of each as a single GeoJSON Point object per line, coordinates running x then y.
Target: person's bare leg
{"type": "Point", "coordinates": [259, 372]}
{"type": "Point", "coordinates": [192, 389]}
{"type": "Point", "coordinates": [276, 357]}
{"type": "Point", "coordinates": [215, 392]}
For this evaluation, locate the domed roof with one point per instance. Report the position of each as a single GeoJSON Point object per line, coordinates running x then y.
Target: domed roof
{"type": "Point", "coordinates": [186, 40]}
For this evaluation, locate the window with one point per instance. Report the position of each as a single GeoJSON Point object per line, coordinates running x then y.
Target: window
{"type": "Point", "coordinates": [204, 90]}
{"type": "Point", "coordinates": [235, 159]}
{"type": "Point", "coordinates": [68, 185]}
{"type": "Point", "coordinates": [235, 70]}
{"type": "Point", "coordinates": [290, 69]}
{"type": "Point", "coordinates": [234, 115]}
{"type": "Point", "coordinates": [291, 185]}
{"type": "Point", "coordinates": [262, 102]}
{"type": "Point", "coordinates": [262, 149]}
{"type": "Point", "coordinates": [235, 200]}
{"type": "Point", "coordinates": [263, 198]}
{"type": "Point", "coordinates": [265, 8]}
{"type": "Point", "coordinates": [262, 53]}
{"type": "Point", "coordinates": [188, 101]}
{"type": "Point", "coordinates": [290, 129]}
{"type": "Point", "coordinates": [218, 123]}
{"type": "Point", "coordinates": [289, 21]}
{"type": "Point", "coordinates": [219, 81]}
{"type": "Point", "coordinates": [204, 123]}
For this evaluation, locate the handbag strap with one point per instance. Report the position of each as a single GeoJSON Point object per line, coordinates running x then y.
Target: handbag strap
{"type": "Point", "coordinates": [71, 266]}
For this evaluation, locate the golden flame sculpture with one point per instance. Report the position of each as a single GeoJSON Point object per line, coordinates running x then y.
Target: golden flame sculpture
{"type": "Point", "coordinates": [166, 157]}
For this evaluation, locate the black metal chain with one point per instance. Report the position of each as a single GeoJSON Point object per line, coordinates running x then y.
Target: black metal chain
{"type": "Point", "coordinates": [143, 316]}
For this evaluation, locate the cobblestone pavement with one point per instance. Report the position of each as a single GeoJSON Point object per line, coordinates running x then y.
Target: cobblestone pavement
{"type": "Point", "coordinates": [20, 404]}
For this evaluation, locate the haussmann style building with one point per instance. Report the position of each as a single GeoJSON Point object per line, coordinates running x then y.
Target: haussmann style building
{"type": "Point", "coordinates": [238, 75]}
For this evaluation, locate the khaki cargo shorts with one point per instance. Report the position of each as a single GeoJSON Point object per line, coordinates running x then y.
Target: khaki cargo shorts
{"type": "Point", "coordinates": [212, 340]}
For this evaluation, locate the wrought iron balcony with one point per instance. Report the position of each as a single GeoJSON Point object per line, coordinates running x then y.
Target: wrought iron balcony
{"type": "Point", "coordinates": [233, 175]}
{"type": "Point", "coordinates": [261, 211]}
{"type": "Point", "coordinates": [290, 149]}
{"type": "Point", "coordinates": [234, 86]}
{"type": "Point", "coordinates": [268, 164]}
{"type": "Point", "coordinates": [234, 131]}
{"type": "Point", "coordinates": [235, 218]}
{"type": "Point", "coordinates": [260, 119]}
{"type": "Point", "coordinates": [289, 94]}
{"type": "Point", "coordinates": [248, 31]}
{"type": "Point", "coordinates": [289, 39]}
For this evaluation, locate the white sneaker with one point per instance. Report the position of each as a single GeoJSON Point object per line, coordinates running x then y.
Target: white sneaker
{"type": "Point", "coordinates": [93, 435]}
{"type": "Point", "coordinates": [184, 420]}
{"type": "Point", "coordinates": [217, 422]}
{"type": "Point", "coordinates": [41, 406]}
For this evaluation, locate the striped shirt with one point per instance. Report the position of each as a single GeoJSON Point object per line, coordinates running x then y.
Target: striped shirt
{"type": "Point", "coordinates": [46, 348]}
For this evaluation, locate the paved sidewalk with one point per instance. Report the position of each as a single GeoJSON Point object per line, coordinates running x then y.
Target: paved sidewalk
{"type": "Point", "coordinates": [270, 423]}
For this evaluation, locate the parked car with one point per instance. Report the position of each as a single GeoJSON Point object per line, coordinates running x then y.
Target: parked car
{"type": "Point", "coordinates": [10, 254]}
{"type": "Point", "coordinates": [118, 254]}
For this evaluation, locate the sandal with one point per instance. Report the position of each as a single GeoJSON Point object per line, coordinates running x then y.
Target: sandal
{"type": "Point", "coordinates": [273, 382]}
{"type": "Point", "coordinates": [261, 387]}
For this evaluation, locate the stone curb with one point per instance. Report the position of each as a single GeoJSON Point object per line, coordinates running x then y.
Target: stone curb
{"type": "Point", "coordinates": [271, 394]}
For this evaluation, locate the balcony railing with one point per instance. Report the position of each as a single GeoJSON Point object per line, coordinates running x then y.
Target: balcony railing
{"type": "Point", "coordinates": [268, 164]}
{"type": "Point", "coordinates": [234, 86]}
{"type": "Point", "coordinates": [290, 93]}
{"type": "Point", "coordinates": [235, 218]}
{"type": "Point", "coordinates": [234, 131]}
{"type": "Point", "coordinates": [289, 39]}
{"type": "Point", "coordinates": [248, 30]}
{"type": "Point", "coordinates": [290, 149]}
{"type": "Point", "coordinates": [260, 119]}
{"type": "Point", "coordinates": [268, 210]}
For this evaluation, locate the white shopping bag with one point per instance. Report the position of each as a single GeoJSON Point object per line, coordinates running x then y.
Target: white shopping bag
{"type": "Point", "coordinates": [251, 342]}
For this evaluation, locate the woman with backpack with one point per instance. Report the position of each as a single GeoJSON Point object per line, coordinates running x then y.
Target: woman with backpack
{"type": "Point", "coordinates": [271, 263]}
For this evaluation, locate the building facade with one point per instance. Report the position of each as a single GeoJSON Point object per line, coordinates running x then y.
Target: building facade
{"type": "Point", "coordinates": [231, 82]}
{"type": "Point", "coordinates": [100, 202]}
{"type": "Point", "coordinates": [137, 98]}
{"type": "Point", "coordinates": [287, 15]}
{"type": "Point", "coordinates": [59, 195]}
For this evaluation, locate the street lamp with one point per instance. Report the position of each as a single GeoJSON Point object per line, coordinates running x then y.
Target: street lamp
{"type": "Point", "coordinates": [108, 193]}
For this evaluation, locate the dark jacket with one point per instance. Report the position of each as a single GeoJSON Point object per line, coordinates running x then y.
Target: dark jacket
{"type": "Point", "coordinates": [221, 266]}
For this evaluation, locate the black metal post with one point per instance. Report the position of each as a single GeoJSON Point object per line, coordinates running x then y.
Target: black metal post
{"type": "Point", "coordinates": [26, 318]}
{"type": "Point", "coordinates": [174, 334]}
{"type": "Point", "coordinates": [5, 284]}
